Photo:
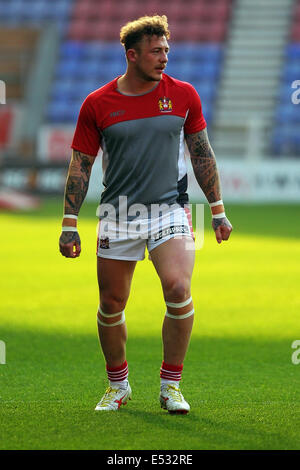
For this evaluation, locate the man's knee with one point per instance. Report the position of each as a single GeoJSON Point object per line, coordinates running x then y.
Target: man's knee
{"type": "Point", "coordinates": [176, 290]}
{"type": "Point", "coordinates": [112, 302]}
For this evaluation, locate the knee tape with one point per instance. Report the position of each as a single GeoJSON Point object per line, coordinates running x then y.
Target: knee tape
{"type": "Point", "coordinates": [111, 315]}
{"type": "Point", "coordinates": [180, 305]}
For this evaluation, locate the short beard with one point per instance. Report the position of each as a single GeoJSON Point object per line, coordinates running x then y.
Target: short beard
{"type": "Point", "coordinates": [147, 78]}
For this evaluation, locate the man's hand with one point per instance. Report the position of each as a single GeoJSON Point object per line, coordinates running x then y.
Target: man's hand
{"type": "Point", "coordinates": [69, 244]}
{"type": "Point", "coordinates": [222, 228]}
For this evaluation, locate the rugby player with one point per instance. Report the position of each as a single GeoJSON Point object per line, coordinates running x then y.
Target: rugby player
{"type": "Point", "coordinates": [140, 120]}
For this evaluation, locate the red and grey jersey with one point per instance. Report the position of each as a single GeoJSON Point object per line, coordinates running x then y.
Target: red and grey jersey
{"type": "Point", "coordinates": [142, 138]}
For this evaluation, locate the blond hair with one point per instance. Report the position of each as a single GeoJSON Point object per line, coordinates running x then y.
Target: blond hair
{"type": "Point", "coordinates": [134, 31]}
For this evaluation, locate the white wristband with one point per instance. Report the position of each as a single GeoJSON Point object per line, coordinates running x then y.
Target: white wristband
{"type": "Point", "coordinates": [217, 203]}
{"type": "Point", "coordinates": [70, 216]}
{"type": "Point", "coordinates": [219, 216]}
{"type": "Point", "coordinates": [69, 229]}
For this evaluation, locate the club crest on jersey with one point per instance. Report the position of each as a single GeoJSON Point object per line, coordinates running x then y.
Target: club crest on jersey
{"type": "Point", "coordinates": [165, 105]}
{"type": "Point", "coordinates": [104, 243]}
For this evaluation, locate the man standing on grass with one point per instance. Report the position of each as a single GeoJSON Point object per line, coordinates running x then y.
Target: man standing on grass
{"type": "Point", "coordinates": [140, 121]}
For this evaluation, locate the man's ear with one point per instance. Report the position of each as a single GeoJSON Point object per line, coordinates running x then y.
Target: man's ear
{"type": "Point", "coordinates": [131, 55]}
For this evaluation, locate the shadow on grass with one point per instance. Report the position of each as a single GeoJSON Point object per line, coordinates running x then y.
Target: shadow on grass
{"type": "Point", "coordinates": [235, 369]}
{"type": "Point", "coordinates": [242, 392]}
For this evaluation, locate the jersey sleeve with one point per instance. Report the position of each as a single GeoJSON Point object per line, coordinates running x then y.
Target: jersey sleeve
{"type": "Point", "coordinates": [87, 137]}
{"type": "Point", "coordinates": [195, 121]}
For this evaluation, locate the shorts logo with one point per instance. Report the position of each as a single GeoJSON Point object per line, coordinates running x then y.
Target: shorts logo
{"type": "Point", "coordinates": [165, 105]}
{"type": "Point", "coordinates": [173, 230]}
{"type": "Point", "coordinates": [104, 243]}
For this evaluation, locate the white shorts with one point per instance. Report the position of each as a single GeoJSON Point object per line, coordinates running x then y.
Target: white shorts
{"type": "Point", "coordinates": [128, 240]}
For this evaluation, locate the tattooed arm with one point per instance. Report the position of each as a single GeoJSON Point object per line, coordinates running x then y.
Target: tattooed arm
{"type": "Point", "coordinates": [207, 175]}
{"type": "Point", "coordinates": [76, 188]}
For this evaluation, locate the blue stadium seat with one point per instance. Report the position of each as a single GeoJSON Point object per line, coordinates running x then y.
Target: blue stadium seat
{"type": "Point", "coordinates": [288, 113]}
{"type": "Point", "coordinates": [285, 140]}
{"type": "Point", "coordinates": [293, 51]}
{"type": "Point", "coordinates": [205, 88]}
{"type": "Point", "coordinates": [67, 68]}
{"type": "Point", "coordinates": [87, 87]}
{"type": "Point", "coordinates": [291, 71]}
{"type": "Point", "coordinates": [13, 9]}
{"type": "Point", "coordinates": [113, 51]}
{"type": "Point", "coordinates": [73, 49]}
{"type": "Point", "coordinates": [62, 88]}
{"type": "Point", "coordinates": [94, 50]}
{"type": "Point", "coordinates": [35, 12]}
{"type": "Point", "coordinates": [286, 91]}
{"type": "Point", "coordinates": [72, 111]}
{"type": "Point", "coordinates": [196, 52]}
{"type": "Point", "coordinates": [63, 112]}
{"type": "Point", "coordinates": [111, 69]}
{"type": "Point", "coordinates": [56, 112]}
{"type": "Point", "coordinates": [86, 66]}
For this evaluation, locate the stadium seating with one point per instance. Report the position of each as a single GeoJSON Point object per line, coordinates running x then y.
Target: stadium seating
{"type": "Point", "coordinates": [83, 67]}
{"type": "Point", "coordinates": [192, 20]}
{"type": "Point", "coordinates": [90, 54]}
{"type": "Point", "coordinates": [295, 36]}
{"type": "Point", "coordinates": [35, 12]}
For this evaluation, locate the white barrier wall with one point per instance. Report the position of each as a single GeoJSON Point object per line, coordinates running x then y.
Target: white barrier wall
{"type": "Point", "coordinates": [259, 181]}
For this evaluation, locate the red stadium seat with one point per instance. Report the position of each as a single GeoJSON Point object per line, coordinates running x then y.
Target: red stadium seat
{"type": "Point", "coordinates": [178, 31]}
{"type": "Point", "coordinates": [217, 11]}
{"type": "Point", "coordinates": [216, 31]}
{"type": "Point", "coordinates": [199, 31]}
{"type": "Point", "coordinates": [295, 35]}
{"type": "Point", "coordinates": [90, 9]}
{"type": "Point", "coordinates": [190, 20]}
{"type": "Point", "coordinates": [174, 12]}
{"type": "Point", "coordinates": [131, 11]}
{"type": "Point", "coordinates": [106, 30]}
{"type": "Point", "coordinates": [107, 8]}
{"type": "Point", "coordinates": [147, 9]}
{"type": "Point", "coordinates": [81, 10]}
{"type": "Point", "coordinates": [153, 5]}
{"type": "Point", "coordinates": [77, 29]}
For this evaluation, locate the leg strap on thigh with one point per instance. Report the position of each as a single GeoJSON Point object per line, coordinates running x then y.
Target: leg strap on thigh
{"type": "Point", "coordinates": [180, 317]}
{"type": "Point", "coordinates": [110, 315]}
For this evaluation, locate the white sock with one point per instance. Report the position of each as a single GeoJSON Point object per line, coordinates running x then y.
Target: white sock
{"type": "Point", "coordinates": [123, 385]}
{"type": "Point", "coordinates": [165, 382]}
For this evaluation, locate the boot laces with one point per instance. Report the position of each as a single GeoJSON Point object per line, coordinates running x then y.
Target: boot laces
{"type": "Point", "coordinates": [106, 400]}
{"type": "Point", "coordinates": [175, 392]}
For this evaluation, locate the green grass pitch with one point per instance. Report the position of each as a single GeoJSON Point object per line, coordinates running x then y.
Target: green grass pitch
{"type": "Point", "coordinates": [238, 376]}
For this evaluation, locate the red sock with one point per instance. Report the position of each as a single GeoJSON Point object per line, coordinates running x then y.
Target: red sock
{"type": "Point", "coordinates": [171, 372]}
{"type": "Point", "coordinates": [117, 374]}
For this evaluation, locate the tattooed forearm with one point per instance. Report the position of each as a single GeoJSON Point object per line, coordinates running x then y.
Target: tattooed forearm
{"type": "Point", "coordinates": [204, 165]}
{"type": "Point", "coordinates": [77, 181]}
